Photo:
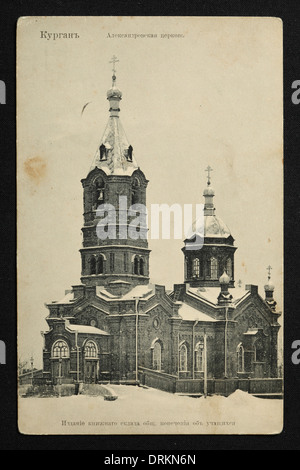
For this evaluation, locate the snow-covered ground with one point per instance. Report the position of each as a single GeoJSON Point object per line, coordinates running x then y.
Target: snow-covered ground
{"type": "Point", "coordinates": [149, 411]}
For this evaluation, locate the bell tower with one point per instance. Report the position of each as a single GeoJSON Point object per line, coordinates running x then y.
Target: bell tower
{"type": "Point", "coordinates": [115, 246]}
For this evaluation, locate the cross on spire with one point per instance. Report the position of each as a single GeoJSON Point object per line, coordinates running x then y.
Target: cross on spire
{"type": "Point", "coordinates": [113, 61]}
{"type": "Point", "coordinates": [208, 169]}
{"type": "Point", "coordinates": [269, 271]}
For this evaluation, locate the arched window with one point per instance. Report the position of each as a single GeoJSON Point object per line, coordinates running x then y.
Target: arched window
{"type": "Point", "coordinates": [199, 357]}
{"type": "Point", "coordinates": [136, 265]}
{"type": "Point", "coordinates": [103, 152]}
{"type": "Point", "coordinates": [99, 192]}
{"type": "Point", "coordinates": [60, 349]}
{"type": "Point", "coordinates": [183, 358]}
{"type": "Point", "coordinates": [112, 262]}
{"type": "Point", "coordinates": [213, 268]}
{"type": "Point", "coordinates": [196, 267]}
{"type": "Point", "coordinates": [157, 356]}
{"type": "Point", "coordinates": [240, 358]}
{"type": "Point", "coordinates": [92, 265]}
{"type": "Point", "coordinates": [135, 191]}
{"type": "Point", "coordinates": [129, 153]}
{"type": "Point", "coordinates": [229, 267]}
{"type": "Point", "coordinates": [100, 265]}
{"type": "Point", "coordinates": [90, 350]}
{"type": "Point", "coordinates": [125, 259]}
{"type": "Point", "coordinates": [142, 266]}
{"type": "Point", "coordinates": [259, 351]}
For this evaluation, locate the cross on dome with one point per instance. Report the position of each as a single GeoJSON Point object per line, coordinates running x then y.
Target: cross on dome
{"type": "Point", "coordinates": [113, 61]}
{"type": "Point", "coordinates": [269, 271]}
{"type": "Point", "coordinates": [208, 169]}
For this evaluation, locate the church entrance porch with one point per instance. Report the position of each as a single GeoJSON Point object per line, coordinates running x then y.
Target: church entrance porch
{"type": "Point", "coordinates": [90, 371]}
{"type": "Point", "coordinates": [91, 362]}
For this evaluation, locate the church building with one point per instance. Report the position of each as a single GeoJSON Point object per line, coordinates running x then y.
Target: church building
{"type": "Point", "coordinates": [205, 336]}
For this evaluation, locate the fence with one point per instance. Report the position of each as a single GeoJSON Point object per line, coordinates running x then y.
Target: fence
{"type": "Point", "coordinates": [173, 384]}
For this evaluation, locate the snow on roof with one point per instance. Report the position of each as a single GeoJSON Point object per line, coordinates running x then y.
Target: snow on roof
{"type": "Point", "coordinates": [86, 329]}
{"type": "Point", "coordinates": [210, 294]}
{"type": "Point", "coordinates": [144, 291]}
{"type": "Point", "coordinates": [116, 143]}
{"type": "Point", "coordinates": [190, 313]}
{"type": "Point", "coordinates": [251, 331]}
{"type": "Point", "coordinates": [69, 297]}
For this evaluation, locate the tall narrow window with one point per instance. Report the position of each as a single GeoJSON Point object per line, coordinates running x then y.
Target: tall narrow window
{"type": "Point", "coordinates": [92, 265]}
{"type": "Point", "coordinates": [135, 191]}
{"type": "Point", "coordinates": [229, 267]}
{"type": "Point", "coordinates": [136, 265]}
{"type": "Point", "coordinates": [129, 153]}
{"type": "Point", "coordinates": [207, 268]}
{"type": "Point", "coordinates": [112, 262]}
{"type": "Point", "coordinates": [214, 268]}
{"type": "Point", "coordinates": [240, 358]}
{"type": "Point", "coordinates": [100, 265]}
{"type": "Point", "coordinates": [141, 266]}
{"type": "Point", "coordinates": [103, 152]}
{"type": "Point", "coordinates": [99, 191]}
{"type": "Point", "coordinates": [196, 267]}
{"type": "Point", "coordinates": [157, 356]}
{"type": "Point", "coordinates": [125, 259]}
{"type": "Point", "coordinates": [183, 358]}
{"type": "Point", "coordinates": [199, 355]}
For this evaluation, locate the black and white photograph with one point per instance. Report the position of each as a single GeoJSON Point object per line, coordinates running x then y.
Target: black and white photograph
{"type": "Point", "coordinates": [150, 225]}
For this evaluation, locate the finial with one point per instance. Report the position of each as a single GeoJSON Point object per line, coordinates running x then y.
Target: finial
{"type": "Point", "coordinates": [269, 271]}
{"type": "Point", "coordinates": [239, 283]}
{"type": "Point", "coordinates": [208, 169]}
{"type": "Point", "coordinates": [113, 61]}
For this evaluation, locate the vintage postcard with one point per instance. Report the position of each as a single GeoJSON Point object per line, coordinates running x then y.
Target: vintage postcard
{"type": "Point", "coordinates": [150, 225]}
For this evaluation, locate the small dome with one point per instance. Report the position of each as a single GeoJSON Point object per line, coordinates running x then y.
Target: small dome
{"type": "Point", "coordinates": [269, 286]}
{"type": "Point", "coordinates": [208, 191]}
{"type": "Point", "coordinates": [114, 92]}
{"type": "Point", "coordinates": [224, 279]}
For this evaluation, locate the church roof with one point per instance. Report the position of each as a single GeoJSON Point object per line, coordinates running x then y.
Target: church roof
{"type": "Point", "coordinates": [68, 298]}
{"type": "Point", "coordinates": [211, 226]}
{"type": "Point", "coordinates": [87, 329]}
{"type": "Point", "coordinates": [118, 153]}
{"type": "Point", "coordinates": [116, 144]}
{"type": "Point", "coordinates": [210, 294]}
{"type": "Point", "coordinates": [140, 291]}
{"type": "Point", "coordinates": [190, 313]}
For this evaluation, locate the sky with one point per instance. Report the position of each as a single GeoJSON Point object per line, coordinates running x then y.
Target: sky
{"type": "Point", "coordinates": [212, 95]}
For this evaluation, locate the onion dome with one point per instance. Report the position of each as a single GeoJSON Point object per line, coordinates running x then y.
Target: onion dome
{"type": "Point", "coordinates": [269, 286]}
{"type": "Point", "coordinates": [224, 279]}
{"type": "Point", "coordinates": [114, 92]}
{"type": "Point", "coordinates": [208, 191]}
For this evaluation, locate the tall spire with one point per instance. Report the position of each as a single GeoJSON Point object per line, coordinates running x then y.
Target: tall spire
{"type": "Point", "coordinates": [208, 194]}
{"type": "Point", "coordinates": [115, 153]}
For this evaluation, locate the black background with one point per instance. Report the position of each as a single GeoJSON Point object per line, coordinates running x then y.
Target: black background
{"type": "Point", "coordinates": [10, 438]}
